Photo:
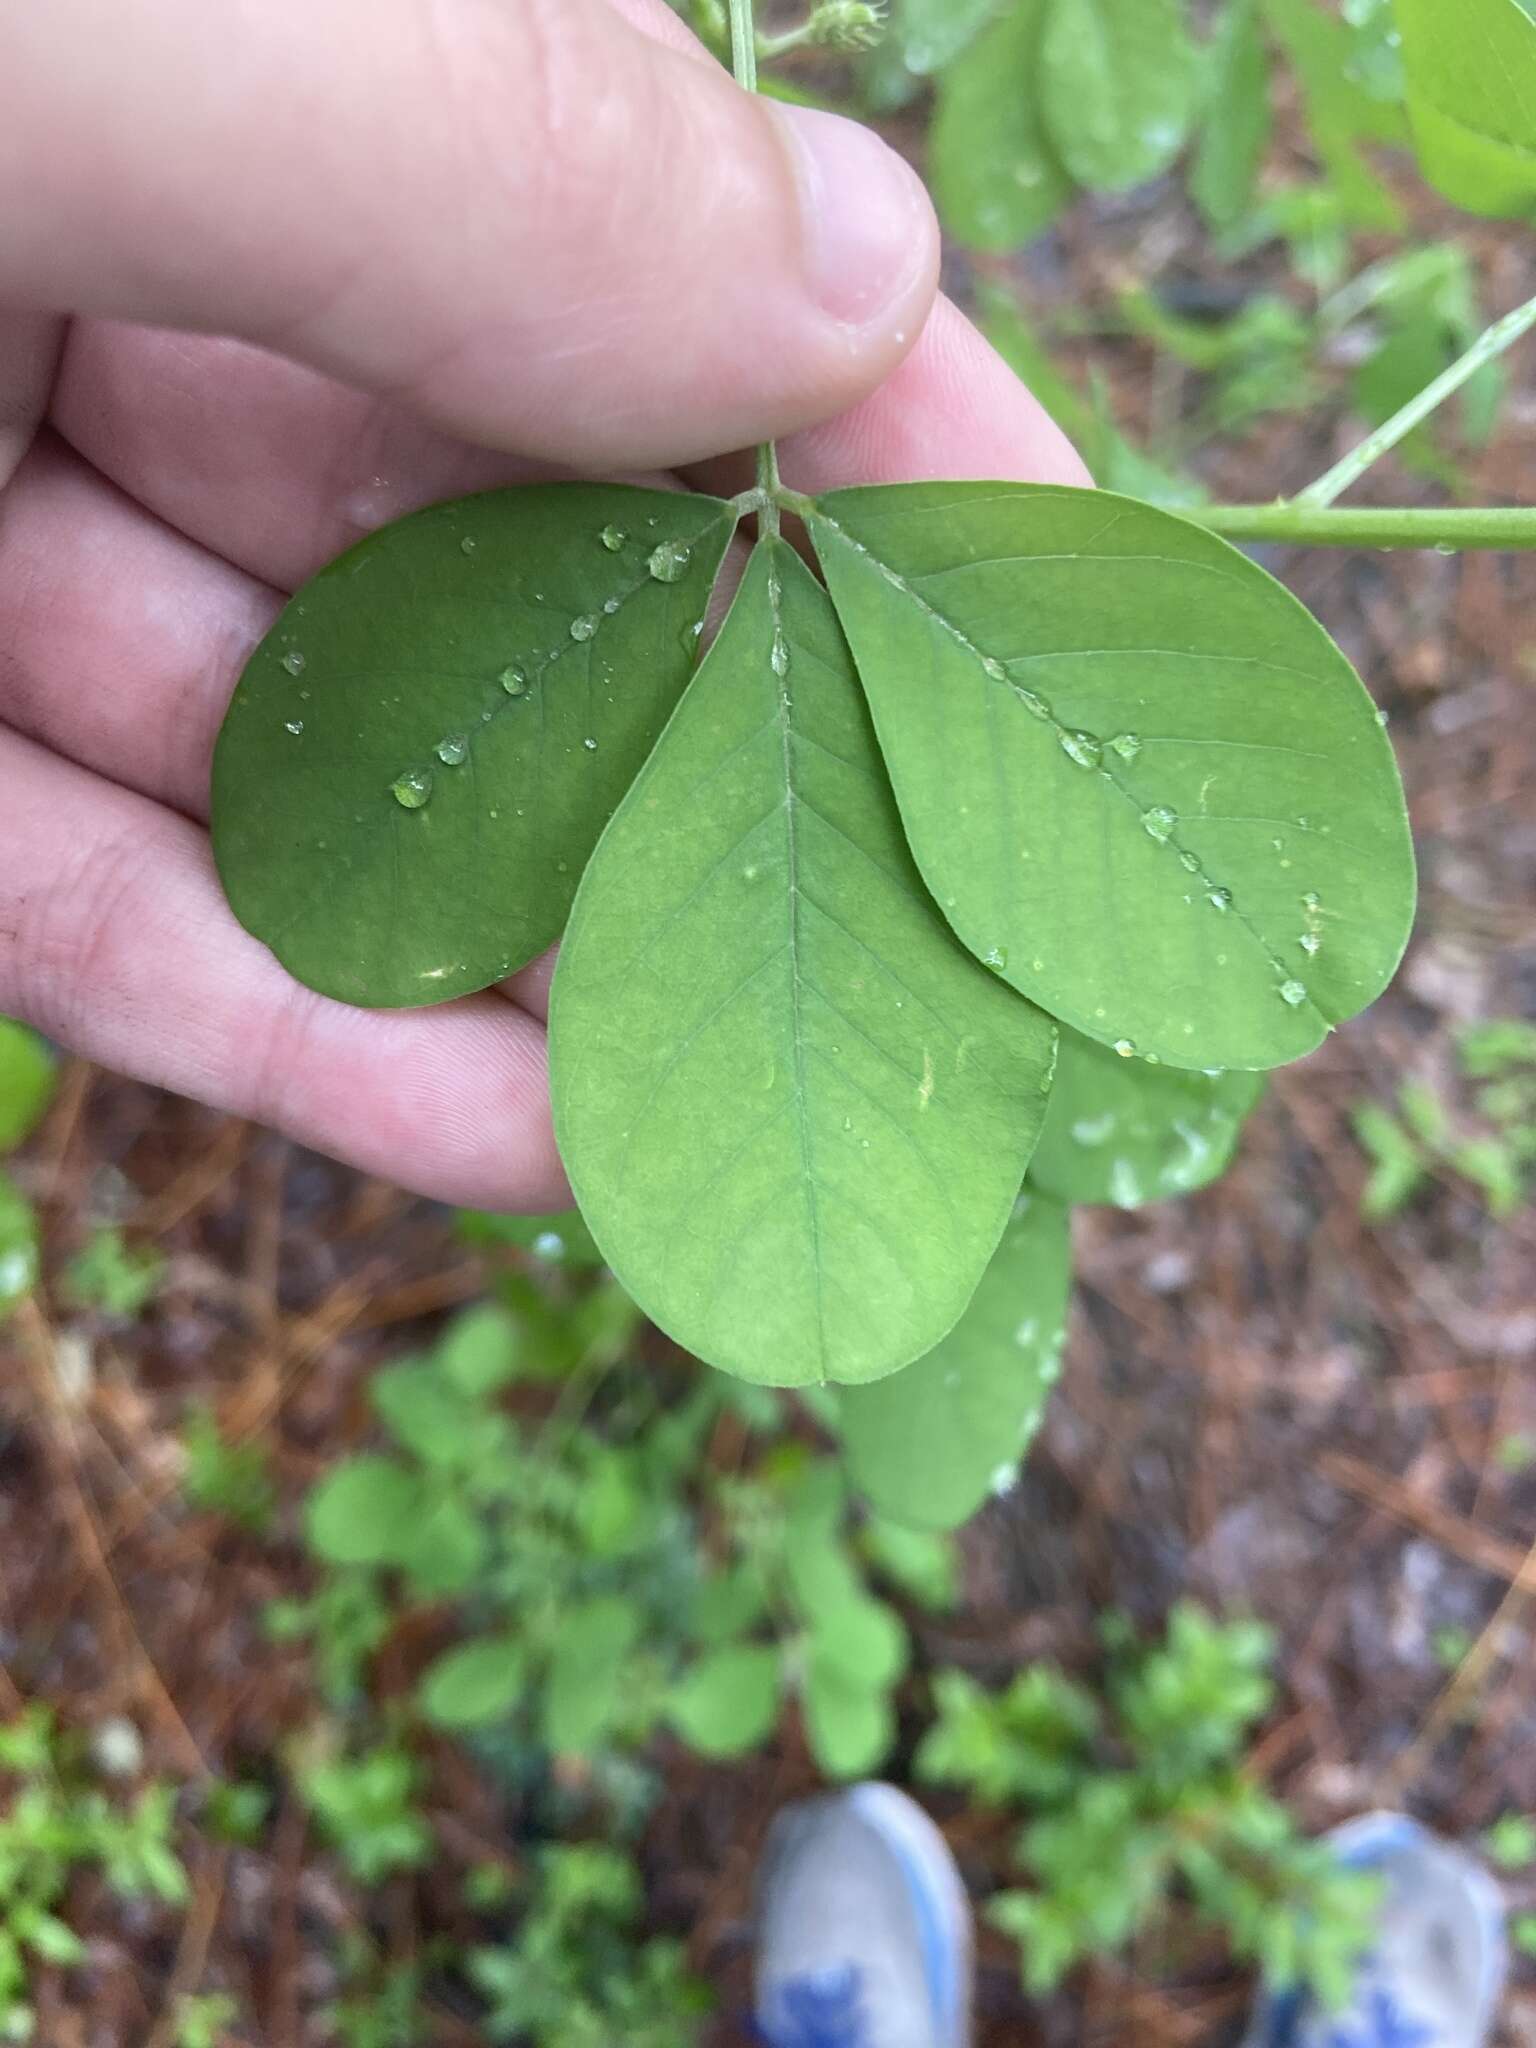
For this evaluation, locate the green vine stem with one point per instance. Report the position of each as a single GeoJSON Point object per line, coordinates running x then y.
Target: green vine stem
{"type": "Point", "coordinates": [1487, 348]}
{"type": "Point", "coordinates": [744, 65]}
{"type": "Point", "coordinates": [1299, 524]}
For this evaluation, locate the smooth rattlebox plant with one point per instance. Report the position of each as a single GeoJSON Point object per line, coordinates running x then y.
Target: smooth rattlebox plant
{"type": "Point", "coordinates": [983, 868]}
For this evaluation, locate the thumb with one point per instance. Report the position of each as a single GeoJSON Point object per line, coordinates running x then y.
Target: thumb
{"type": "Point", "coordinates": [552, 232]}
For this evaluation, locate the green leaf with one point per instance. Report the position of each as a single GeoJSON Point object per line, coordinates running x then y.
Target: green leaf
{"type": "Point", "coordinates": [850, 1726]}
{"type": "Point", "coordinates": [793, 1111]}
{"type": "Point", "coordinates": [480, 1350]}
{"type": "Point", "coordinates": [1223, 180]}
{"type": "Point", "coordinates": [583, 1691]}
{"type": "Point", "coordinates": [864, 1639]}
{"type": "Point", "coordinates": [19, 1252]}
{"type": "Point", "coordinates": [26, 1083]}
{"type": "Point", "coordinates": [727, 1704]}
{"type": "Point", "coordinates": [932, 33]}
{"type": "Point", "coordinates": [1121, 1132]}
{"type": "Point", "coordinates": [444, 1548]}
{"type": "Point", "coordinates": [1341, 114]}
{"type": "Point", "coordinates": [1137, 775]}
{"type": "Point", "coordinates": [1118, 82]}
{"type": "Point", "coordinates": [427, 1414]}
{"type": "Point", "coordinates": [363, 1512]}
{"type": "Point", "coordinates": [727, 1605]}
{"type": "Point", "coordinates": [925, 1565]}
{"type": "Point", "coordinates": [474, 1684]}
{"type": "Point", "coordinates": [928, 1446]}
{"type": "Point", "coordinates": [424, 750]}
{"type": "Point", "coordinates": [1472, 100]}
{"type": "Point", "coordinates": [995, 176]}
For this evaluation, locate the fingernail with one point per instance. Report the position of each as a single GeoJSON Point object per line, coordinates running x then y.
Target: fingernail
{"type": "Point", "coordinates": [868, 224]}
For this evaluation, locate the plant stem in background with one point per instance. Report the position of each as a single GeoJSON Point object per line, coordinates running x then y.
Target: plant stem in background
{"type": "Point", "coordinates": [1306, 524]}
{"type": "Point", "coordinates": [1490, 344]}
{"type": "Point", "coordinates": [744, 64]}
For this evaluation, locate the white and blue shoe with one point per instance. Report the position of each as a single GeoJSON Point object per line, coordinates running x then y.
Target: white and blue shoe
{"type": "Point", "coordinates": [1436, 1973]}
{"type": "Point", "coordinates": [864, 1931]}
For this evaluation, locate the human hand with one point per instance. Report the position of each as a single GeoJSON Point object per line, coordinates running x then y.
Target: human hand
{"type": "Point", "coordinates": [465, 243]}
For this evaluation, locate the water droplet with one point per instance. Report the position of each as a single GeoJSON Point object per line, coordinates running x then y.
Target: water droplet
{"type": "Point", "coordinates": [669, 562]}
{"type": "Point", "coordinates": [779, 658]}
{"type": "Point", "coordinates": [293, 661]}
{"type": "Point", "coordinates": [583, 628]}
{"type": "Point", "coordinates": [611, 605]}
{"type": "Point", "coordinates": [994, 669]}
{"type": "Point", "coordinates": [1443, 547]}
{"type": "Point", "coordinates": [1382, 717]}
{"type": "Point", "coordinates": [590, 745]}
{"type": "Point", "coordinates": [549, 1244]}
{"type": "Point", "coordinates": [1294, 993]}
{"type": "Point", "coordinates": [1220, 899]}
{"type": "Point", "coordinates": [295, 726]}
{"type": "Point", "coordinates": [1082, 748]}
{"type": "Point", "coordinates": [453, 752]}
{"type": "Point", "coordinates": [1311, 901]}
{"type": "Point", "coordinates": [1035, 705]}
{"type": "Point", "coordinates": [997, 959]}
{"type": "Point", "coordinates": [515, 682]}
{"type": "Point", "coordinates": [1311, 943]}
{"type": "Point", "coordinates": [468, 544]}
{"type": "Point", "coordinates": [1158, 823]}
{"type": "Point", "coordinates": [413, 788]}
{"type": "Point", "coordinates": [1127, 745]}
{"type": "Point", "coordinates": [1125, 1048]}
{"type": "Point", "coordinates": [1190, 862]}
{"type": "Point", "coordinates": [613, 538]}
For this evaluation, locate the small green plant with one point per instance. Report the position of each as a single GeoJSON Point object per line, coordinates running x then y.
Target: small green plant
{"type": "Point", "coordinates": [55, 1822]}
{"type": "Point", "coordinates": [1426, 1139]}
{"type": "Point", "coordinates": [223, 1478]}
{"type": "Point", "coordinates": [577, 1974]}
{"type": "Point", "coordinates": [114, 1276]}
{"type": "Point", "coordinates": [604, 1584]}
{"type": "Point", "coordinates": [365, 1805]}
{"type": "Point", "coordinates": [26, 1089]}
{"type": "Point", "coordinates": [202, 2019]}
{"type": "Point", "coordinates": [1511, 1842]}
{"type": "Point", "coordinates": [1135, 1802]}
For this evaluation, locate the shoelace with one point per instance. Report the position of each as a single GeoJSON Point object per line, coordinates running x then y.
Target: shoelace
{"type": "Point", "coordinates": [818, 2012]}
{"type": "Point", "coordinates": [1386, 2026]}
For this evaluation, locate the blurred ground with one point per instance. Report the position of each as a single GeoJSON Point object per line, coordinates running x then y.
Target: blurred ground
{"type": "Point", "coordinates": [1267, 1403]}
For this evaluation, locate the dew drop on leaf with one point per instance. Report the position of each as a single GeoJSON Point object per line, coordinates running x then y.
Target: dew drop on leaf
{"type": "Point", "coordinates": [1082, 748]}
{"type": "Point", "coordinates": [413, 788]}
{"type": "Point", "coordinates": [293, 661]}
{"type": "Point", "coordinates": [669, 562]}
{"type": "Point", "coordinates": [613, 538]}
{"type": "Point", "coordinates": [1127, 745]}
{"type": "Point", "coordinates": [583, 628]}
{"type": "Point", "coordinates": [1294, 993]}
{"type": "Point", "coordinates": [1311, 943]}
{"type": "Point", "coordinates": [996, 959]}
{"type": "Point", "coordinates": [1125, 1048]}
{"type": "Point", "coordinates": [1190, 862]}
{"type": "Point", "coordinates": [515, 682]}
{"type": "Point", "coordinates": [1034, 704]}
{"type": "Point", "coordinates": [1158, 823]}
{"type": "Point", "coordinates": [1220, 899]}
{"type": "Point", "coordinates": [453, 752]}
{"type": "Point", "coordinates": [779, 658]}
{"type": "Point", "coordinates": [295, 726]}
{"type": "Point", "coordinates": [468, 544]}
{"type": "Point", "coordinates": [590, 745]}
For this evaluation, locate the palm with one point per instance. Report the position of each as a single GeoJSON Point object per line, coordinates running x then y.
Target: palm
{"type": "Point", "coordinates": [182, 488]}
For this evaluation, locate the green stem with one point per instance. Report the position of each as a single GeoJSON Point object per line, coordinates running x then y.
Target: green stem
{"type": "Point", "coordinates": [1488, 346]}
{"type": "Point", "coordinates": [744, 64]}
{"type": "Point", "coordinates": [1303, 524]}
{"type": "Point", "coordinates": [771, 48]}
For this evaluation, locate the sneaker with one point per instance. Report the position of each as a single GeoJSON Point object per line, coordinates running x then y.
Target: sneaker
{"type": "Point", "coordinates": [1434, 1978]}
{"type": "Point", "coordinates": [864, 1931]}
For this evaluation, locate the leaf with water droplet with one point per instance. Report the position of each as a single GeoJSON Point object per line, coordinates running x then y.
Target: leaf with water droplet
{"type": "Point", "coordinates": [926, 1446]}
{"type": "Point", "coordinates": [741, 1217]}
{"type": "Point", "coordinates": [1121, 1132]}
{"type": "Point", "coordinates": [1118, 83]}
{"type": "Point", "coordinates": [410, 645]}
{"type": "Point", "coordinates": [996, 177]}
{"type": "Point", "coordinates": [1124, 618]}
